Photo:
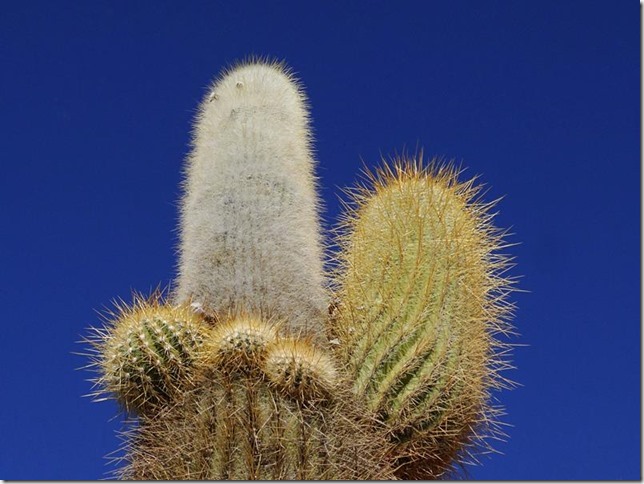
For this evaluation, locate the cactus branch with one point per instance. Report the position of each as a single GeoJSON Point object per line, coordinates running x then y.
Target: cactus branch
{"type": "Point", "coordinates": [422, 294]}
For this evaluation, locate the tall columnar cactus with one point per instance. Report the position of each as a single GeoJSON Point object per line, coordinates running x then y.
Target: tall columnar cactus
{"type": "Point", "coordinates": [250, 236]}
{"type": "Point", "coordinates": [245, 374]}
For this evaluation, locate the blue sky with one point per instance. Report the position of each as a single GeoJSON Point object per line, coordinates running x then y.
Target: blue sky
{"type": "Point", "coordinates": [539, 98]}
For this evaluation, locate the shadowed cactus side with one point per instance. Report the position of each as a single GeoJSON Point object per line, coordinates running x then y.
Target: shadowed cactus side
{"type": "Point", "coordinates": [245, 374]}
{"type": "Point", "coordinates": [421, 297]}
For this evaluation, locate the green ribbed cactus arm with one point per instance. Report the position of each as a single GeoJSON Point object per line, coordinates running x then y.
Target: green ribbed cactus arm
{"type": "Point", "coordinates": [421, 296]}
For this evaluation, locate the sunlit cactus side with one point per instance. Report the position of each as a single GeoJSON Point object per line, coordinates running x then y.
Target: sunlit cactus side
{"type": "Point", "coordinates": [276, 413]}
{"type": "Point", "coordinates": [250, 232]}
{"type": "Point", "coordinates": [145, 354]}
{"type": "Point", "coordinates": [421, 296]}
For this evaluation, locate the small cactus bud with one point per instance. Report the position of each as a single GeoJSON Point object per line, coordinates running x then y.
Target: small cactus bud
{"type": "Point", "coordinates": [300, 370]}
{"type": "Point", "coordinates": [146, 352]}
{"type": "Point", "coordinates": [238, 342]}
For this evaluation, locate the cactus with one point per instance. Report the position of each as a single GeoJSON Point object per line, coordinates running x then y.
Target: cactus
{"type": "Point", "coordinates": [264, 408]}
{"type": "Point", "coordinates": [422, 295]}
{"type": "Point", "coordinates": [250, 236]}
{"type": "Point", "coordinates": [243, 373]}
{"type": "Point", "coordinates": [145, 354]}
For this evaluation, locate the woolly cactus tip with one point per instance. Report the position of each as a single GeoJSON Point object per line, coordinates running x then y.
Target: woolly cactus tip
{"type": "Point", "coordinates": [250, 235]}
{"type": "Point", "coordinates": [273, 79]}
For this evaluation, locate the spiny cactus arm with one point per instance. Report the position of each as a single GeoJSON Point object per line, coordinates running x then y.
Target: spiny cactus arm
{"type": "Point", "coordinates": [250, 237]}
{"type": "Point", "coordinates": [422, 294]}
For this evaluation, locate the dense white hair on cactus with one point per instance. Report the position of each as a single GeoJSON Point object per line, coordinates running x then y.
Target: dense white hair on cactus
{"type": "Point", "coordinates": [250, 236]}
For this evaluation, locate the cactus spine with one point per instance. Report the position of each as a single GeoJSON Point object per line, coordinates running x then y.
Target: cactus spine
{"type": "Point", "coordinates": [243, 375]}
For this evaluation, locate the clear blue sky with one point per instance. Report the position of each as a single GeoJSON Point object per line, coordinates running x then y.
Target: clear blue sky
{"type": "Point", "coordinates": [539, 98]}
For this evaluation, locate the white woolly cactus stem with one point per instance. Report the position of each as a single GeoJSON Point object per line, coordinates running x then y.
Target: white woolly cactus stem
{"type": "Point", "coordinates": [250, 236]}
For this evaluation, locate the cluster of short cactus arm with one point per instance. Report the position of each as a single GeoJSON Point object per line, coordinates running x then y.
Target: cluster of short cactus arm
{"type": "Point", "coordinates": [258, 364]}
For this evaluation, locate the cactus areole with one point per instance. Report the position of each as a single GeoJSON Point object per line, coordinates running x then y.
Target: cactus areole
{"type": "Point", "coordinates": [261, 364]}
